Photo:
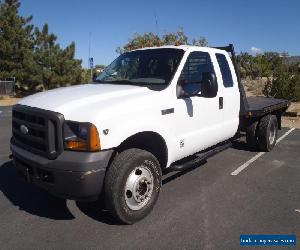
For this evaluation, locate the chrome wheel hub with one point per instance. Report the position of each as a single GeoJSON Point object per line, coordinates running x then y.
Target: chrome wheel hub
{"type": "Point", "coordinates": [138, 188]}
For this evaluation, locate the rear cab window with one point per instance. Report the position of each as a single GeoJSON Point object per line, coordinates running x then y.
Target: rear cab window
{"type": "Point", "coordinates": [225, 70]}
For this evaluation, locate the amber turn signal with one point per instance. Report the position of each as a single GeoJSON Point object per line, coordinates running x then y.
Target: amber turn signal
{"type": "Point", "coordinates": [94, 139]}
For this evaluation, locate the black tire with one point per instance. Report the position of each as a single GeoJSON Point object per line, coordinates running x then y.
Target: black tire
{"type": "Point", "coordinates": [127, 164]}
{"type": "Point", "coordinates": [267, 133]}
{"type": "Point", "coordinates": [251, 136]}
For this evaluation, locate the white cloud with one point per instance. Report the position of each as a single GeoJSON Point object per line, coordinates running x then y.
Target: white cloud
{"type": "Point", "coordinates": [256, 50]}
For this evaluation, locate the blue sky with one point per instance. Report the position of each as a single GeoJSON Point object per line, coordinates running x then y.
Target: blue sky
{"type": "Point", "coordinates": [265, 25]}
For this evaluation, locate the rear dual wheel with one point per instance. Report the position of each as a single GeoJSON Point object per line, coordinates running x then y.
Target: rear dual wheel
{"type": "Point", "coordinates": [267, 133]}
{"type": "Point", "coordinates": [262, 135]}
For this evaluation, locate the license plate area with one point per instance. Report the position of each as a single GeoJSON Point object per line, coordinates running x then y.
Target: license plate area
{"type": "Point", "coordinates": [31, 173]}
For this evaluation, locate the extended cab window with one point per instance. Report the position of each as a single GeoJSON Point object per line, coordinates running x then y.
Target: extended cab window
{"type": "Point", "coordinates": [191, 75]}
{"type": "Point", "coordinates": [225, 70]}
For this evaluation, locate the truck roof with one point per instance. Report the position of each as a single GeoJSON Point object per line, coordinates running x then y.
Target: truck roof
{"type": "Point", "coordinates": [184, 47]}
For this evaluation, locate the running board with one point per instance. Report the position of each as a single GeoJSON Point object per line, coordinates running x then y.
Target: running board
{"type": "Point", "coordinates": [197, 158]}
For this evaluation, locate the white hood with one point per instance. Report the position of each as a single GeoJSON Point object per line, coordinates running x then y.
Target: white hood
{"type": "Point", "coordinates": [78, 101]}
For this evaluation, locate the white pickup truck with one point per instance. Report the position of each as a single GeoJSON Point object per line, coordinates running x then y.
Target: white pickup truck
{"type": "Point", "coordinates": [150, 111]}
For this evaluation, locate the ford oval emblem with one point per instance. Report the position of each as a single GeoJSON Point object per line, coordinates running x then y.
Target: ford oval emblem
{"type": "Point", "coordinates": [24, 129]}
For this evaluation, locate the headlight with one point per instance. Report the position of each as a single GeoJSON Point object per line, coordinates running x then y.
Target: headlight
{"type": "Point", "coordinates": [81, 136]}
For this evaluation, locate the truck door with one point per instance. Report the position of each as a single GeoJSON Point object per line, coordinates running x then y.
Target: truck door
{"type": "Point", "coordinates": [231, 95]}
{"type": "Point", "coordinates": [199, 118]}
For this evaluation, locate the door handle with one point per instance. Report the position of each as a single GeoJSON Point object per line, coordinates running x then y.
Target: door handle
{"type": "Point", "coordinates": [221, 102]}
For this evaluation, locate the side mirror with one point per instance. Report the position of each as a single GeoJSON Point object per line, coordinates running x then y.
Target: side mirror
{"type": "Point", "coordinates": [209, 86]}
{"type": "Point", "coordinates": [189, 89]}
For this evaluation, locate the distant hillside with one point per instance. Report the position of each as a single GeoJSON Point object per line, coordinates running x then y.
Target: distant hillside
{"type": "Point", "coordinates": [293, 59]}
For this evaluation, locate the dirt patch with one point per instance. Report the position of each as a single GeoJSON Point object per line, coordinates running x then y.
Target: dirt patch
{"type": "Point", "coordinates": [254, 87]}
{"type": "Point", "coordinates": [8, 101]}
{"type": "Point", "coordinates": [295, 107]}
{"type": "Point", "coordinates": [290, 122]}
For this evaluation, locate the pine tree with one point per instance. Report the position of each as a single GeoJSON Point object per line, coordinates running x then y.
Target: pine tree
{"type": "Point", "coordinates": [16, 44]}
{"type": "Point", "coordinates": [32, 56]}
{"type": "Point", "coordinates": [57, 67]}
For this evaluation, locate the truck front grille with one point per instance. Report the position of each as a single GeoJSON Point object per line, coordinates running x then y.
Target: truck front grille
{"type": "Point", "coordinates": [37, 130]}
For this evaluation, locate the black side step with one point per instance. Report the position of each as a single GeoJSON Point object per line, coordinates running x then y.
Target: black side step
{"type": "Point", "coordinates": [197, 158]}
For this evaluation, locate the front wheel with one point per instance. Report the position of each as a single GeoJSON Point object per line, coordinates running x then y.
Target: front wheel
{"type": "Point", "coordinates": [132, 185]}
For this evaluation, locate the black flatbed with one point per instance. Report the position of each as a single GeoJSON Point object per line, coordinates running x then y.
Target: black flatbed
{"type": "Point", "coordinates": [259, 105]}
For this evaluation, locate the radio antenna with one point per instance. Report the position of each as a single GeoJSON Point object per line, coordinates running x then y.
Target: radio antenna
{"type": "Point", "coordinates": [156, 23]}
{"type": "Point", "coordinates": [90, 61]}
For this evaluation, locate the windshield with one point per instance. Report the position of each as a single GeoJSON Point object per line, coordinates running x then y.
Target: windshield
{"type": "Point", "coordinates": [143, 67]}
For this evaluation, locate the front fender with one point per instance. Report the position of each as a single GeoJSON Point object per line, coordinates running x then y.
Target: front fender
{"type": "Point", "coordinates": [119, 132]}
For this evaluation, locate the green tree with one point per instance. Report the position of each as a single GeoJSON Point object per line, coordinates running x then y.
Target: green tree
{"type": "Point", "coordinates": [151, 40]}
{"type": "Point", "coordinates": [57, 67]}
{"type": "Point", "coordinates": [245, 62]}
{"type": "Point", "coordinates": [285, 85]}
{"type": "Point", "coordinates": [140, 41]}
{"type": "Point", "coordinates": [33, 56]}
{"type": "Point", "coordinates": [261, 65]}
{"type": "Point", "coordinates": [283, 79]}
{"type": "Point", "coordinates": [200, 42]}
{"type": "Point", "coordinates": [46, 53]}
{"type": "Point", "coordinates": [175, 38]}
{"type": "Point", "coordinates": [67, 68]}
{"type": "Point", "coordinates": [16, 44]}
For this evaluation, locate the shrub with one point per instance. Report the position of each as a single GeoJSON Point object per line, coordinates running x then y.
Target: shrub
{"type": "Point", "coordinates": [284, 85]}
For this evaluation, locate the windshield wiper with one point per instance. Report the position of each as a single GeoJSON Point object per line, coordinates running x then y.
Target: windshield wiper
{"type": "Point", "coordinates": [129, 82]}
{"type": "Point", "coordinates": [126, 82]}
